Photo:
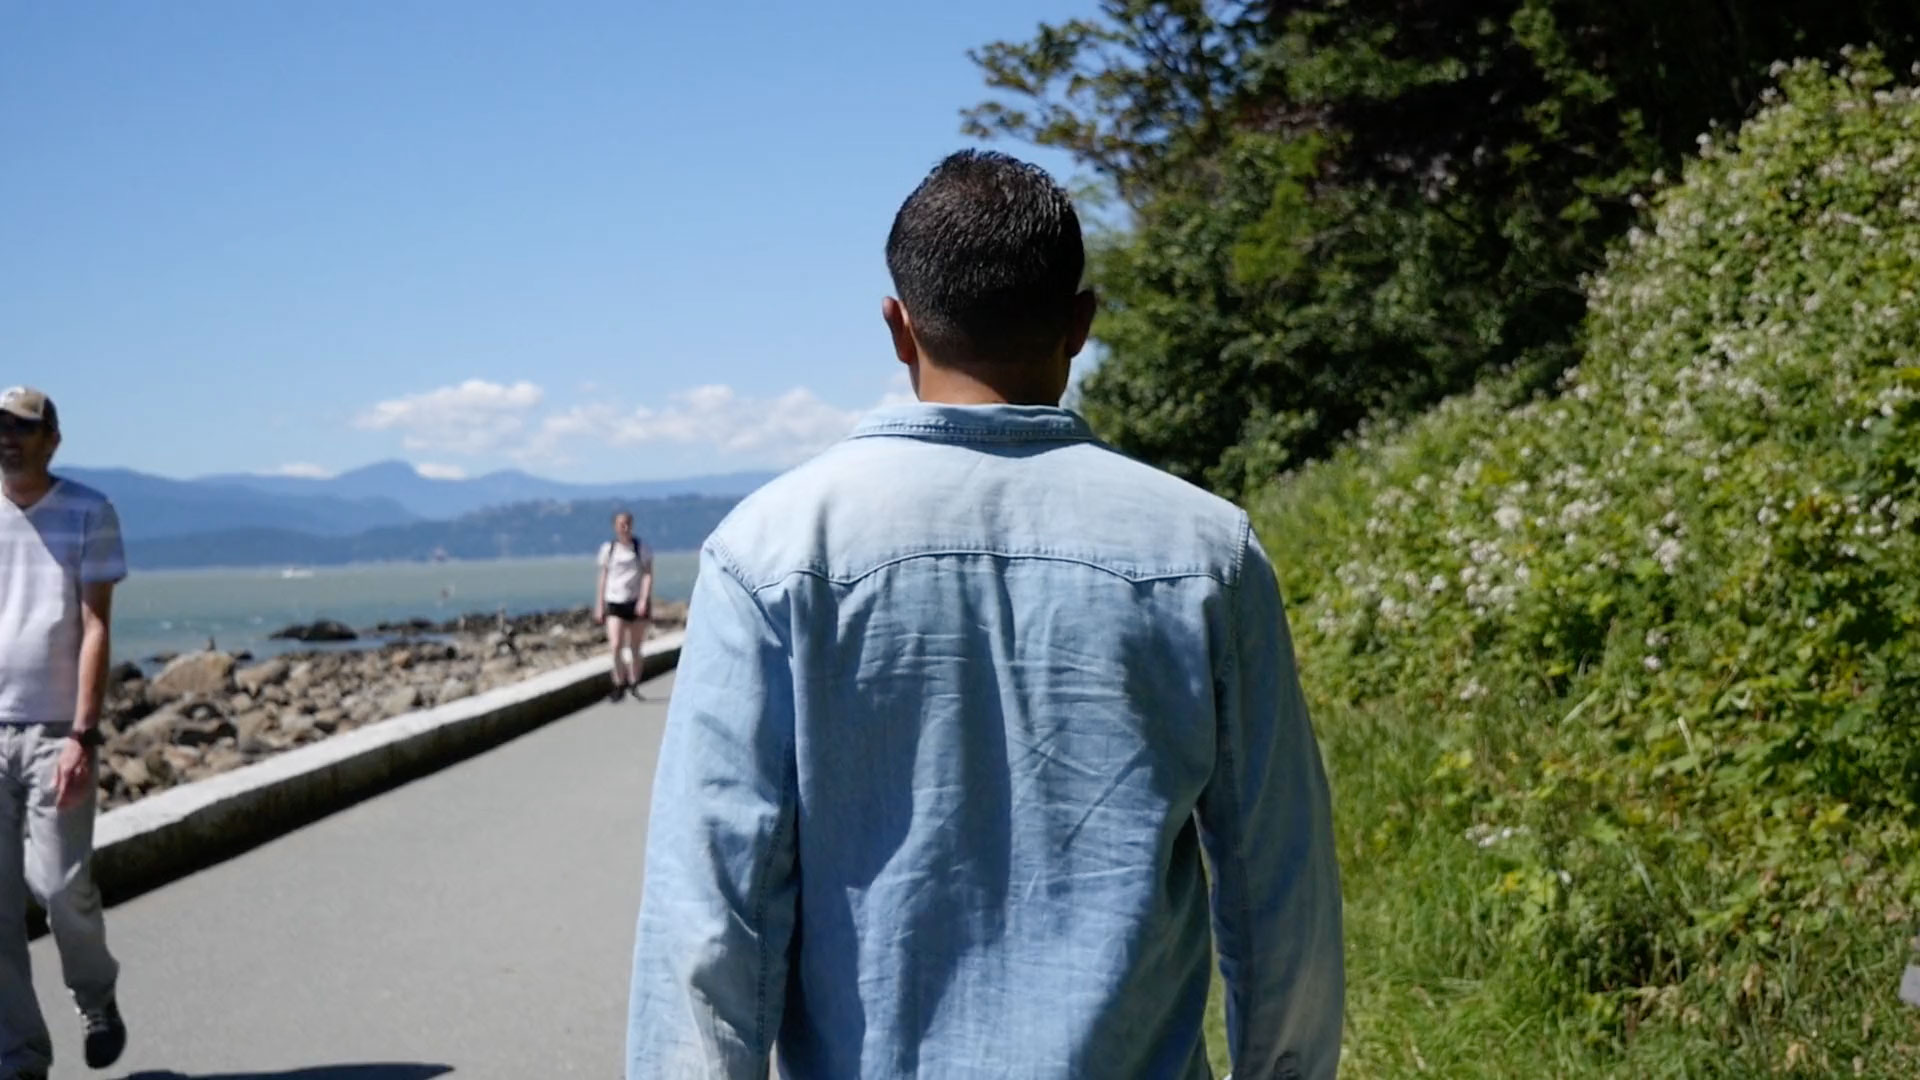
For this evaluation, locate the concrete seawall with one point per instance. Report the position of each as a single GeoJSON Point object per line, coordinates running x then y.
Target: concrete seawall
{"type": "Point", "coordinates": [186, 828]}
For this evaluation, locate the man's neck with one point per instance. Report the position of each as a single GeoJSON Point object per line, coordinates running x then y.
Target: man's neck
{"type": "Point", "coordinates": [24, 488]}
{"type": "Point", "coordinates": [957, 386]}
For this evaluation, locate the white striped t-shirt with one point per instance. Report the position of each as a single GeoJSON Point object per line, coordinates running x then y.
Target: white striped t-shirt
{"type": "Point", "coordinates": [70, 538]}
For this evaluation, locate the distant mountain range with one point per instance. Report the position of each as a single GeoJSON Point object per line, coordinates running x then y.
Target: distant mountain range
{"type": "Point", "coordinates": [428, 497]}
{"type": "Point", "coordinates": [152, 506]}
{"type": "Point", "coordinates": [390, 511]}
{"type": "Point", "coordinates": [574, 527]}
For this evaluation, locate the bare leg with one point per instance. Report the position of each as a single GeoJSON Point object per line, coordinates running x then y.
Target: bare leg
{"type": "Point", "coordinates": [616, 630]}
{"type": "Point", "coordinates": [636, 634]}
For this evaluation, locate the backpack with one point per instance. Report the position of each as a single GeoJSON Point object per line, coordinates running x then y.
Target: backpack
{"type": "Point", "coordinates": [633, 544]}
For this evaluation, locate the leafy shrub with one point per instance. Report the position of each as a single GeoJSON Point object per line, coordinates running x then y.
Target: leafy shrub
{"type": "Point", "coordinates": [1658, 635]}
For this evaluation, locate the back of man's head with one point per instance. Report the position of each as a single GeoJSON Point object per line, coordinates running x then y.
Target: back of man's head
{"type": "Point", "coordinates": [986, 256]}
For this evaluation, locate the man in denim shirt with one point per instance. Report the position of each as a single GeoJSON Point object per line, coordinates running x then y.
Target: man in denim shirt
{"type": "Point", "coordinates": [961, 703]}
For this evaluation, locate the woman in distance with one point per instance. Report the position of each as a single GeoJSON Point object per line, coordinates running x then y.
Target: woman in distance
{"type": "Point", "coordinates": [623, 602]}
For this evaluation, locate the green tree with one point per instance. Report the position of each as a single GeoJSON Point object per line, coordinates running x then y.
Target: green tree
{"type": "Point", "coordinates": [1145, 86]}
{"type": "Point", "coordinates": [1340, 209]}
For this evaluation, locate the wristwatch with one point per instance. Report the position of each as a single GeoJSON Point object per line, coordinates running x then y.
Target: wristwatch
{"type": "Point", "coordinates": [90, 738]}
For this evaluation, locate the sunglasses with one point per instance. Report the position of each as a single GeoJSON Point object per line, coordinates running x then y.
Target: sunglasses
{"type": "Point", "coordinates": [14, 425]}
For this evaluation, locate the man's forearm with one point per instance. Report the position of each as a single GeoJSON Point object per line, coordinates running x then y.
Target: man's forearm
{"type": "Point", "coordinates": [96, 644]}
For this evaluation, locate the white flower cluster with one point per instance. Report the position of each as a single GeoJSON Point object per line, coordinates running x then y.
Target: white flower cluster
{"type": "Point", "coordinates": [1486, 836]}
{"type": "Point", "coordinates": [1717, 327]}
{"type": "Point", "coordinates": [1665, 539]}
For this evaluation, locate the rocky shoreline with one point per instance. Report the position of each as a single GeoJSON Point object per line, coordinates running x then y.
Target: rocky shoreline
{"type": "Point", "coordinates": [208, 712]}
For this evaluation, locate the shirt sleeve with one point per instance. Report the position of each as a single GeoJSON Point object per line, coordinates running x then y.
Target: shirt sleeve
{"type": "Point", "coordinates": [720, 890]}
{"type": "Point", "coordinates": [1266, 821]}
{"type": "Point", "coordinates": [103, 557]}
{"type": "Point", "coordinates": [606, 550]}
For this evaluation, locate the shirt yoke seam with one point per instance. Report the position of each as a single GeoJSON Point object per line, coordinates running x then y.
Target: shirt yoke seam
{"type": "Point", "coordinates": [1136, 578]}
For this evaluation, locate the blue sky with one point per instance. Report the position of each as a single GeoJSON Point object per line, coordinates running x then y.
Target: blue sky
{"type": "Point", "coordinates": [597, 241]}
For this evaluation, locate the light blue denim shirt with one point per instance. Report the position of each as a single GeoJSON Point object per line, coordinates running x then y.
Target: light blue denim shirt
{"type": "Point", "coordinates": [962, 700]}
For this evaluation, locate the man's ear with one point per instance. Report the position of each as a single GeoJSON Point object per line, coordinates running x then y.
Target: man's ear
{"type": "Point", "coordinates": [1085, 305]}
{"type": "Point", "coordinates": [900, 326]}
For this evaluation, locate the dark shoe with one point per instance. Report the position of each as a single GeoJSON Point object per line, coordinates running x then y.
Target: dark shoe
{"type": "Point", "coordinates": [619, 691]}
{"type": "Point", "coordinates": [106, 1034]}
{"type": "Point", "coordinates": [634, 689]}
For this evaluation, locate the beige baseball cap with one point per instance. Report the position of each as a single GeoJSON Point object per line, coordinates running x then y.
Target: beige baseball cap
{"type": "Point", "coordinates": [29, 404]}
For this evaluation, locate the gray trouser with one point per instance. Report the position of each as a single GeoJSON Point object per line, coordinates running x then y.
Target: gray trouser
{"type": "Point", "coordinates": [47, 851]}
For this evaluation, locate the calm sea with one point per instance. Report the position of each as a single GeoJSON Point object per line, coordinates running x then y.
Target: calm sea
{"type": "Point", "coordinates": [158, 611]}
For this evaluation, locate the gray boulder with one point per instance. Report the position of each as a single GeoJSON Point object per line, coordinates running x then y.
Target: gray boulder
{"type": "Point", "coordinates": [202, 673]}
{"type": "Point", "coordinates": [257, 677]}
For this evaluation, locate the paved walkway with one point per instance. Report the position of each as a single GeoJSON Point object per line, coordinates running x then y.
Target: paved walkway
{"type": "Point", "coordinates": [477, 923]}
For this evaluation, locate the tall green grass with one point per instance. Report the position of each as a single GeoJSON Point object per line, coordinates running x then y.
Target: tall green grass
{"type": "Point", "coordinates": [1619, 689]}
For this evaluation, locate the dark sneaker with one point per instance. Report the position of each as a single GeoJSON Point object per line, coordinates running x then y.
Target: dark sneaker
{"type": "Point", "coordinates": [617, 692]}
{"type": "Point", "coordinates": [634, 689]}
{"type": "Point", "coordinates": [106, 1034]}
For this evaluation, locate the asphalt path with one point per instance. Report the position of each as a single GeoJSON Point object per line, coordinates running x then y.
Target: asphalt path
{"type": "Point", "coordinates": [476, 923]}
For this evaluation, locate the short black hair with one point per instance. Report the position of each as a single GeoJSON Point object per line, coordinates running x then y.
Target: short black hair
{"type": "Point", "coordinates": [986, 254]}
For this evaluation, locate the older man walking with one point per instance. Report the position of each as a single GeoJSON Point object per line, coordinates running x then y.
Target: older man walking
{"type": "Point", "coordinates": [60, 557]}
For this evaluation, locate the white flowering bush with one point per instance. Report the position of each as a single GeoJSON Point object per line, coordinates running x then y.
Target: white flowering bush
{"type": "Point", "coordinates": [1661, 629]}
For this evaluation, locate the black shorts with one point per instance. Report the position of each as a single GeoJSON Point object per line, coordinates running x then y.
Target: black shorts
{"type": "Point", "coordinates": [626, 610]}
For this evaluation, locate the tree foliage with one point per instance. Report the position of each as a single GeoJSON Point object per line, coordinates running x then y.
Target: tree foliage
{"type": "Point", "coordinates": [1339, 209]}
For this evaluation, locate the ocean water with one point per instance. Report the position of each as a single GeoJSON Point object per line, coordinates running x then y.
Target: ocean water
{"type": "Point", "coordinates": [172, 611]}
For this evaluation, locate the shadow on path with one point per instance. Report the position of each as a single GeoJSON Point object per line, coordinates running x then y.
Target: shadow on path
{"type": "Point", "coordinates": [372, 1071]}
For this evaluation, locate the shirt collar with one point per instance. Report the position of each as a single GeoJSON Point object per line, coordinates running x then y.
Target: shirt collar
{"type": "Point", "coordinates": [975, 423]}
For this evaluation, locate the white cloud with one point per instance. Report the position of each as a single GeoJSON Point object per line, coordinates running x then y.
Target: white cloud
{"type": "Point", "coordinates": [582, 422]}
{"type": "Point", "coordinates": [440, 472]}
{"type": "Point", "coordinates": [302, 469]}
{"type": "Point", "coordinates": [899, 391]}
{"type": "Point", "coordinates": [786, 428]}
{"type": "Point", "coordinates": [479, 417]}
{"type": "Point", "coordinates": [780, 430]}
{"type": "Point", "coordinates": [475, 417]}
